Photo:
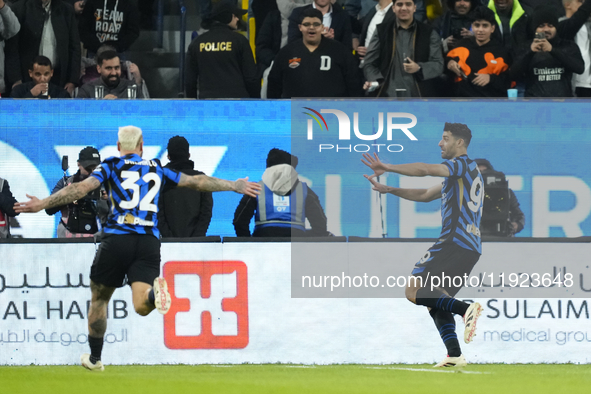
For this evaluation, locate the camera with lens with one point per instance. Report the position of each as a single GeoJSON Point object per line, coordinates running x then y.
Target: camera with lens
{"type": "Point", "coordinates": [495, 206]}
{"type": "Point", "coordinates": [83, 214]}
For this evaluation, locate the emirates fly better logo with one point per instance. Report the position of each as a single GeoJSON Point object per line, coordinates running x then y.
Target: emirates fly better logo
{"type": "Point", "coordinates": [345, 130]}
{"type": "Point", "coordinates": [209, 305]}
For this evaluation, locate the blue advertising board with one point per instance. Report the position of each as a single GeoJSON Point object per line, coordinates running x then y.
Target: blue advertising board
{"type": "Point", "coordinates": [542, 147]}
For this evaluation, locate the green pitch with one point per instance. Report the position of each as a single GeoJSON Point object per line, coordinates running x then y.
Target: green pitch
{"type": "Point", "coordinates": [296, 379]}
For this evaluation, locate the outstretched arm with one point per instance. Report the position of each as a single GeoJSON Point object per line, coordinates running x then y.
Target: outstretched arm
{"type": "Point", "coordinates": [204, 183]}
{"type": "Point", "coordinates": [419, 195]}
{"type": "Point", "coordinates": [412, 169]}
{"type": "Point", "coordinates": [65, 196]}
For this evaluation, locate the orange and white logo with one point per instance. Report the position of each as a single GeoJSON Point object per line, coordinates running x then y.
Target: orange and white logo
{"type": "Point", "coordinates": [209, 305]}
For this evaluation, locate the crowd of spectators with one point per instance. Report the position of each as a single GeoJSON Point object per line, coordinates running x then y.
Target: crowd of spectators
{"type": "Point", "coordinates": [347, 48]}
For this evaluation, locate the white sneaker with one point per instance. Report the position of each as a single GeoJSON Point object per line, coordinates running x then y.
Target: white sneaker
{"type": "Point", "coordinates": [162, 298]}
{"type": "Point", "coordinates": [470, 318]}
{"type": "Point", "coordinates": [453, 362]}
{"type": "Point", "coordinates": [86, 363]}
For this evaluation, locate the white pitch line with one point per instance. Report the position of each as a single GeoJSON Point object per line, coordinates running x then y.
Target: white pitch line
{"type": "Point", "coordinates": [299, 366]}
{"type": "Point", "coordinates": [222, 366]}
{"type": "Point", "coordinates": [431, 370]}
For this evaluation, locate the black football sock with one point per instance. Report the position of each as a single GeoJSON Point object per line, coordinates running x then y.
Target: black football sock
{"type": "Point", "coordinates": [446, 325]}
{"type": "Point", "coordinates": [96, 348]}
{"type": "Point", "coordinates": [437, 300]}
{"type": "Point", "coordinates": [152, 297]}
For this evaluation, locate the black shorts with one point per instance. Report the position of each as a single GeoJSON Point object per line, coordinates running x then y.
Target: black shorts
{"type": "Point", "coordinates": [447, 260]}
{"type": "Point", "coordinates": [126, 258]}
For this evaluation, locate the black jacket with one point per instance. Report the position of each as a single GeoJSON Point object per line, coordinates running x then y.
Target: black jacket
{"type": "Point", "coordinates": [24, 91]}
{"type": "Point", "coordinates": [24, 47]}
{"type": "Point", "coordinates": [297, 72]}
{"type": "Point", "coordinates": [549, 74]}
{"type": "Point", "coordinates": [341, 23]}
{"type": "Point", "coordinates": [268, 42]}
{"type": "Point", "coordinates": [450, 21]}
{"type": "Point", "coordinates": [491, 58]}
{"type": "Point", "coordinates": [183, 212]}
{"type": "Point", "coordinates": [221, 63]}
{"type": "Point", "coordinates": [119, 29]}
{"type": "Point", "coordinates": [248, 205]}
{"type": "Point", "coordinates": [520, 31]}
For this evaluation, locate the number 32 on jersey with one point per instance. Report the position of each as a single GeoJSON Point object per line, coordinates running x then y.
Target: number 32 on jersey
{"type": "Point", "coordinates": [146, 202]}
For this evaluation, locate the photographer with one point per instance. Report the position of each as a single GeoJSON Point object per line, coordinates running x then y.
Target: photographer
{"type": "Point", "coordinates": [548, 62]}
{"type": "Point", "coordinates": [82, 217]}
{"type": "Point", "coordinates": [516, 217]}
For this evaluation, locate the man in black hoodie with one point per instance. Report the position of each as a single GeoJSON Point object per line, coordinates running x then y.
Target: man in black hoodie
{"type": "Point", "coordinates": [183, 213]}
{"type": "Point", "coordinates": [220, 63]}
{"type": "Point", "coordinates": [113, 22]}
{"type": "Point", "coordinates": [548, 63]}
{"type": "Point", "coordinates": [480, 65]}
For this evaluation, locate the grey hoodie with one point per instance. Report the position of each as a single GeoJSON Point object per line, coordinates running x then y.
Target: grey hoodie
{"type": "Point", "coordinates": [280, 178]}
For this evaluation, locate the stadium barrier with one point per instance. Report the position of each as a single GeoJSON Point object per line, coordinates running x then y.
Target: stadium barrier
{"type": "Point", "coordinates": [239, 302]}
{"type": "Point", "coordinates": [541, 145]}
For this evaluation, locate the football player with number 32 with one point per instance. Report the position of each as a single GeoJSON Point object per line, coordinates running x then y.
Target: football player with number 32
{"type": "Point", "coordinates": [130, 246]}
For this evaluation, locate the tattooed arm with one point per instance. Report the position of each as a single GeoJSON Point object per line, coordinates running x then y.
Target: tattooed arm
{"type": "Point", "coordinates": [206, 183]}
{"type": "Point", "coordinates": [65, 196]}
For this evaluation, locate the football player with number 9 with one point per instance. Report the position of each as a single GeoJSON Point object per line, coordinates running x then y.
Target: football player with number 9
{"type": "Point", "coordinates": [458, 248]}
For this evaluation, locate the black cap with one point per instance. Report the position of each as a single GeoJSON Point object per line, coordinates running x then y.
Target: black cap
{"type": "Point", "coordinates": [178, 148]}
{"type": "Point", "coordinates": [223, 11]}
{"type": "Point", "coordinates": [89, 156]}
{"type": "Point", "coordinates": [279, 156]}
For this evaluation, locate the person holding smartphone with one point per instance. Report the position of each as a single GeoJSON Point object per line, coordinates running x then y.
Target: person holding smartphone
{"type": "Point", "coordinates": [548, 62]}
{"type": "Point", "coordinates": [403, 57]}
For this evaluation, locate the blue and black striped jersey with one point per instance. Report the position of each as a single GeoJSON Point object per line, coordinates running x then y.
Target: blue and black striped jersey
{"type": "Point", "coordinates": [133, 185]}
{"type": "Point", "coordinates": [461, 204]}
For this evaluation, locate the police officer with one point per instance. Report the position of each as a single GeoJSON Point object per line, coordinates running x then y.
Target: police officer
{"type": "Point", "coordinates": [284, 204]}
{"type": "Point", "coordinates": [220, 63]}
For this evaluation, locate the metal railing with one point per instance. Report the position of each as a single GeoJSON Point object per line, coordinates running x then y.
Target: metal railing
{"type": "Point", "coordinates": [182, 34]}
{"type": "Point", "coordinates": [160, 25]}
{"type": "Point", "coordinates": [182, 38]}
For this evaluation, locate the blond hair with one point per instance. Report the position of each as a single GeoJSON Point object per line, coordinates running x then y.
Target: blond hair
{"type": "Point", "coordinates": [129, 137]}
